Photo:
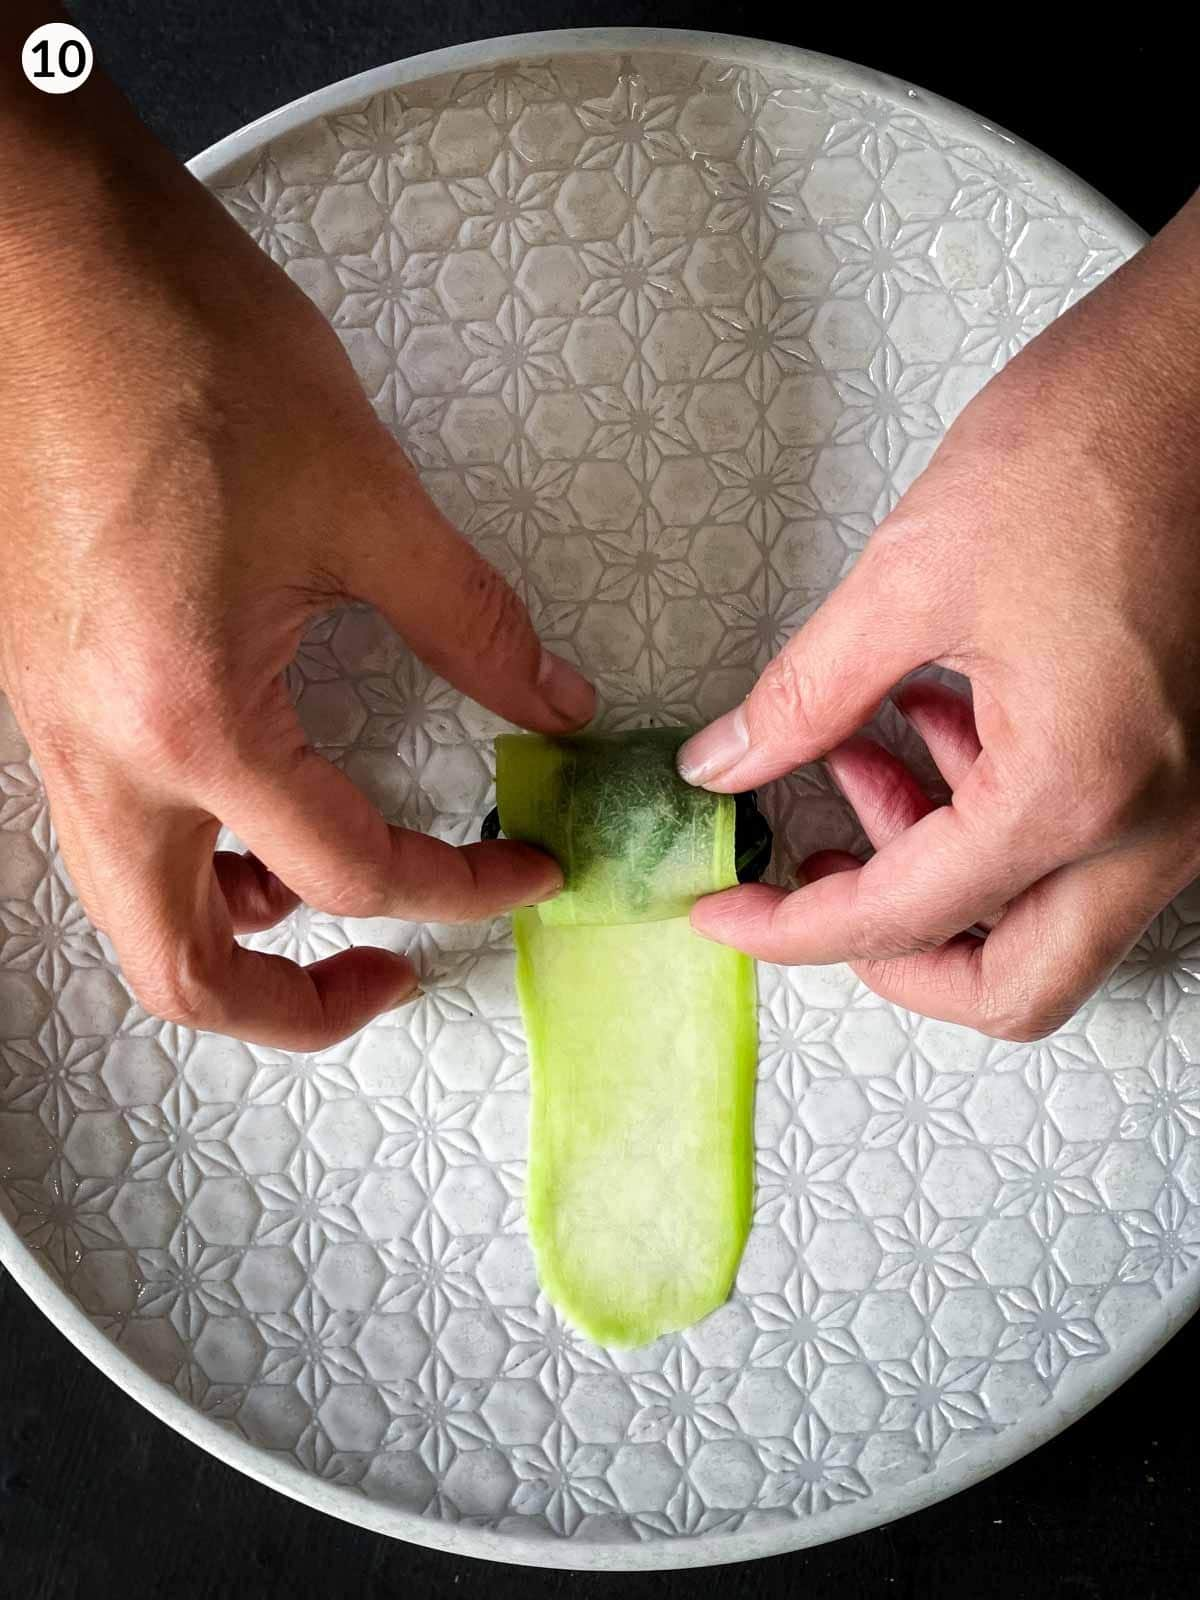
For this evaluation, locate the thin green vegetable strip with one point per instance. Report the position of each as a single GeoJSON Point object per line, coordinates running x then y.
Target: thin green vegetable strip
{"type": "Point", "coordinates": [642, 1036]}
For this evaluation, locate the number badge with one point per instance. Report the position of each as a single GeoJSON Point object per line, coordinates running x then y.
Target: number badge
{"type": "Point", "coordinates": [57, 58]}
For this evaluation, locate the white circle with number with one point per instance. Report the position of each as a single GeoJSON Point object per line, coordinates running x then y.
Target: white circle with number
{"type": "Point", "coordinates": [57, 58]}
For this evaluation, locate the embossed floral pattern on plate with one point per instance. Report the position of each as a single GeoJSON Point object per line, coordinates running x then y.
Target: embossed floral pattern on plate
{"type": "Point", "coordinates": [666, 332]}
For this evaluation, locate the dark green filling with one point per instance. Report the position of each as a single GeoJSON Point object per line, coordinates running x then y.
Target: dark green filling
{"type": "Point", "coordinates": [607, 771]}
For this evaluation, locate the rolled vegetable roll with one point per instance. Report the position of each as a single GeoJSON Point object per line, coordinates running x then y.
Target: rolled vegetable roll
{"type": "Point", "coordinates": [642, 1036]}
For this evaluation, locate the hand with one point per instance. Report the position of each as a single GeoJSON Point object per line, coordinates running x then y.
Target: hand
{"type": "Point", "coordinates": [189, 472]}
{"type": "Point", "coordinates": [1051, 553]}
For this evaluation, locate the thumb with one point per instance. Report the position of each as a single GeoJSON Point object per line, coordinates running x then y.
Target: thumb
{"type": "Point", "coordinates": [828, 679]}
{"type": "Point", "coordinates": [457, 612]}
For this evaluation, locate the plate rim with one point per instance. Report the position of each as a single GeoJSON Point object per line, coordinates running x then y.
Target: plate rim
{"type": "Point", "coordinates": [1081, 1392]}
{"type": "Point", "coordinates": [482, 53]}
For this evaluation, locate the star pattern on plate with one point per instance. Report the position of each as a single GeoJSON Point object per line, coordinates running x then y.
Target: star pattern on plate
{"type": "Point", "coordinates": [666, 336]}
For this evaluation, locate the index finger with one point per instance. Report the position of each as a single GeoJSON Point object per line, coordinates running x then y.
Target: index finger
{"type": "Point", "coordinates": [325, 839]}
{"type": "Point", "coordinates": [454, 609]}
{"type": "Point", "coordinates": [881, 621]}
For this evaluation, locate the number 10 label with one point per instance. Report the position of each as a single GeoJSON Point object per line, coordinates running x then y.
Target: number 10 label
{"type": "Point", "coordinates": [57, 58]}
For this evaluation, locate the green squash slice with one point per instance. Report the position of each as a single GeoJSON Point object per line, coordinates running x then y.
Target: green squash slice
{"type": "Point", "coordinates": [642, 1036]}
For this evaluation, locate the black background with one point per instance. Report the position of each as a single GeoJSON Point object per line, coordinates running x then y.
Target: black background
{"type": "Point", "coordinates": [98, 1498]}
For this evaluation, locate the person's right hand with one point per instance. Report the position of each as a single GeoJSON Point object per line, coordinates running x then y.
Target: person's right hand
{"type": "Point", "coordinates": [189, 472]}
{"type": "Point", "coordinates": [1051, 553]}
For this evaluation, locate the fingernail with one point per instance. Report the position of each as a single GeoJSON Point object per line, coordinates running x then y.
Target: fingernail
{"type": "Point", "coordinates": [834, 782]}
{"type": "Point", "coordinates": [715, 749]}
{"type": "Point", "coordinates": [551, 893]}
{"type": "Point", "coordinates": [408, 999]}
{"type": "Point", "coordinates": [567, 691]}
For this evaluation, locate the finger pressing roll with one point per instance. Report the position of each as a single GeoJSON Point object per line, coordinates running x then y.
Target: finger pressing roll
{"type": "Point", "coordinates": [325, 840]}
{"type": "Point", "coordinates": [827, 681]}
{"type": "Point", "coordinates": [451, 606]}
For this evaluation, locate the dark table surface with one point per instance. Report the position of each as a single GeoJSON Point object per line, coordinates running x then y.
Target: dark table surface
{"type": "Point", "coordinates": [96, 1496]}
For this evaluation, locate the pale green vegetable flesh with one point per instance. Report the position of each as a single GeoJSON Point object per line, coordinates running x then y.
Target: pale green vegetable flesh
{"type": "Point", "coordinates": [642, 1036]}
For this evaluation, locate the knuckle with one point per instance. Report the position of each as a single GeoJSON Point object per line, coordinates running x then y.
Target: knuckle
{"type": "Point", "coordinates": [905, 558]}
{"type": "Point", "coordinates": [178, 986]}
{"type": "Point", "coordinates": [156, 714]}
{"type": "Point", "coordinates": [884, 940]}
{"type": "Point", "coordinates": [884, 932]}
{"type": "Point", "coordinates": [783, 701]}
{"type": "Point", "coordinates": [159, 721]}
{"type": "Point", "coordinates": [360, 891]}
{"type": "Point", "coordinates": [495, 617]}
{"type": "Point", "coordinates": [1025, 1018]}
{"type": "Point", "coordinates": [1019, 1027]}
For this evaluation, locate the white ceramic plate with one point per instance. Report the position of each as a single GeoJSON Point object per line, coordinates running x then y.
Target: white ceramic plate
{"type": "Point", "coordinates": [668, 321]}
